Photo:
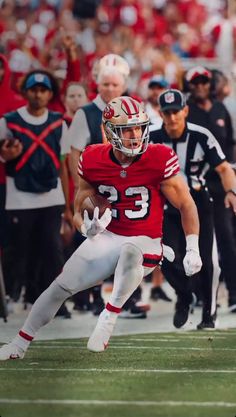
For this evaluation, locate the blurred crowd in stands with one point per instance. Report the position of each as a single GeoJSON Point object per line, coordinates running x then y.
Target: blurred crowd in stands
{"type": "Point", "coordinates": [152, 35]}
{"type": "Point", "coordinates": [159, 40]}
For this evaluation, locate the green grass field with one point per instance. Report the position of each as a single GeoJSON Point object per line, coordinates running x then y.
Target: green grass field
{"type": "Point", "coordinates": [183, 374]}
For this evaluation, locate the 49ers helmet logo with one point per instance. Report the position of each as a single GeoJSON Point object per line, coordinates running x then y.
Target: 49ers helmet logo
{"type": "Point", "coordinates": [108, 112]}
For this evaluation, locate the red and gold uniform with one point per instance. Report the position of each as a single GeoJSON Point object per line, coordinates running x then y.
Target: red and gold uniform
{"type": "Point", "coordinates": [134, 190]}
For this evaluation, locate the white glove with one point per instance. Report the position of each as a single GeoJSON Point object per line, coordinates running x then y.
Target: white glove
{"type": "Point", "coordinates": [168, 253]}
{"type": "Point", "coordinates": [192, 262]}
{"type": "Point", "coordinates": [91, 228]}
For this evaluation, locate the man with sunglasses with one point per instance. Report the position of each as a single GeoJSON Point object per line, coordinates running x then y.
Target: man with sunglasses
{"type": "Point", "coordinates": [212, 114]}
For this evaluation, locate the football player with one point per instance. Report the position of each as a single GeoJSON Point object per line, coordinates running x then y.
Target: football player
{"type": "Point", "coordinates": [126, 241]}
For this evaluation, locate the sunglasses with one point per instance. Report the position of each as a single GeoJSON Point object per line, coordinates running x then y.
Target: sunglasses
{"type": "Point", "coordinates": [203, 81]}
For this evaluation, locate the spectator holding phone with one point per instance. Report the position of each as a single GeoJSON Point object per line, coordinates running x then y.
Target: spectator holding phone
{"type": "Point", "coordinates": [36, 178]}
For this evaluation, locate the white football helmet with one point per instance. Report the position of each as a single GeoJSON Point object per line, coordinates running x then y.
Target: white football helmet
{"type": "Point", "coordinates": [123, 112]}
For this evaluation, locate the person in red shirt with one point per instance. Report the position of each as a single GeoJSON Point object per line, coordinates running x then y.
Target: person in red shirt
{"type": "Point", "coordinates": [10, 101]}
{"type": "Point", "coordinates": [127, 241]}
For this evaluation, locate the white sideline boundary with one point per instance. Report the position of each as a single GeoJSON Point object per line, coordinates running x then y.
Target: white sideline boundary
{"type": "Point", "coordinates": [99, 370]}
{"type": "Point", "coordinates": [116, 340]}
{"type": "Point", "coordinates": [133, 347]}
{"type": "Point", "coordinates": [115, 402]}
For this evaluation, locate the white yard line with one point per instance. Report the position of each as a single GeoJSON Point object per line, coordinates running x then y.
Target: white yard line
{"type": "Point", "coordinates": [169, 338]}
{"type": "Point", "coordinates": [130, 346]}
{"type": "Point", "coordinates": [161, 371]}
{"type": "Point", "coordinates": [114, 342]}
{"type": "Point", "coordinates": [210, 347]}
{"type": "Point", "coordinates": [116, 402]}
{"type": "Point", "coordinates": [190, 333]}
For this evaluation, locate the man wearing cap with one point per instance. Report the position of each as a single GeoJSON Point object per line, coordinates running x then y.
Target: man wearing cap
{"type": "Point", "coordinates": [197, 149]}
{"type": "Point", "coordinates": [156, 86]}
{"type": "Point", "coordinates": [212, 114]}
{"type": "Point", "coordinates": [34, 149]}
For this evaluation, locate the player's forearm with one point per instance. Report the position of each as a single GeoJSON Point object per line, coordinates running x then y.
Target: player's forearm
{"type": "Point", "coordinates": [78, 220]}
{"type": "Point", "coordinates": [189, 218]}
{"type": "Point", "coordinates": [81, 194]}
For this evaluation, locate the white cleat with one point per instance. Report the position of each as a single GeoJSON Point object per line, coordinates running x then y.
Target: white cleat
{"type": "Point", "coordinates": [99, 339]}
{"type": "Point", "coordinates": [11, 351]}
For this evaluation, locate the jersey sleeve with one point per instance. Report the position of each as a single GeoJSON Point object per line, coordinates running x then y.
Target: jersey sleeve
{"type": "Point", "coordinates": [215, 155]}
{"type": "Point", "coordinates": [87, 163]}
{"type": "Point", "coordinates": [170, 163]}
{"type": "Point", "coordinates": [80, 170]}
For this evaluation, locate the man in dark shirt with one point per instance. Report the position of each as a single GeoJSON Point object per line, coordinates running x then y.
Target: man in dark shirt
{"type": "Point", "coordinates": [212, 114]}
{"type": "Point", "coordinates": [196, 148]}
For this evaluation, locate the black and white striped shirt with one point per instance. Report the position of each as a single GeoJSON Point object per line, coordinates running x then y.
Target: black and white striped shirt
{"type": "Point", "coordinates": [197, 150]}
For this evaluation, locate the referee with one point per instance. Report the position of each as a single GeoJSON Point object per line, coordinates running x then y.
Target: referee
{"type": "Point", "coordinates": [207, 111]}
{"type": "Point", "coordinates": [197, 150]}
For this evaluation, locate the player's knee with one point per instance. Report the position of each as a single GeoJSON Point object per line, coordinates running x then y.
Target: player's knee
{"type": "Point", "coordinates": [130, 256]}
{"type": "Point", "coordinates": [57, 292]}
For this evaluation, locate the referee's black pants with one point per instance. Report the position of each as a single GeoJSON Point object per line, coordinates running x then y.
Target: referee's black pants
{"type": "Point", "coordinates": [226, 242]}
{"type": "Point", "coordinates": [34, 254]}
{"type": "Point", "coordinates": [206, 280]}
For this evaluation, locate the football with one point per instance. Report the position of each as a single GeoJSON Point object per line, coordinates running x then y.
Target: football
{"type": "Point", "coordinates": [92, 201]}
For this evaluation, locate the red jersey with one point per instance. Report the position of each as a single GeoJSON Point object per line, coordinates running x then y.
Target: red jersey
{"type": "Point", "coordinates": [134, 191]}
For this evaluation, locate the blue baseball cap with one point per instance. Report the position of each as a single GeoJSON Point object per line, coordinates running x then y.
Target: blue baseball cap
{"type": "Point", "coordinates": [158, 81]}
{"type": "Point", "coordinates": [172, 100]}
{"type": "Point", "coordinates": [36, 79]}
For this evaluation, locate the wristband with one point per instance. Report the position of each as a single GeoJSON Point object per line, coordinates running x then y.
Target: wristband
{"type": "Point", "coordinates": [232, 190]}
{"type": "Point", "coordinates": [192, 243]}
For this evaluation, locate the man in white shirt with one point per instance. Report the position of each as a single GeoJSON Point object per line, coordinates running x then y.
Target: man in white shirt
{"type": "Point", "coordinates": [34, 148]}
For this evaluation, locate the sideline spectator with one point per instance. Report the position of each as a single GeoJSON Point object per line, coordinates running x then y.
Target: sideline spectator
{"type": "Point", "coordinates": [75, 97]}
{"type": "Point", "coordinates": [212, 114]}
{"type": "Point", "coordinates": [73, 73]}
{"type": "Point", "coordinates": [34, 154]}
{"type": "Point", "coordinates": [156, 86]}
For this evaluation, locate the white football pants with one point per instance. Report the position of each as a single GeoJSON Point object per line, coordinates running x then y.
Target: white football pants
{"type": "Point", "coordinates": [94, 261]}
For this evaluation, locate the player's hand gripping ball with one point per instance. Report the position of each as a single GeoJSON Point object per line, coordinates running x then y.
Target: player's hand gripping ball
{"type": "Point", "coordinates": [96, 211]}
{"type": "Point", "coordinates": [95, 200]}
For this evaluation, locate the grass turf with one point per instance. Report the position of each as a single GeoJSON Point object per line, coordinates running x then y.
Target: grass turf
{"type": "Point", "coordinates": [151, 375]}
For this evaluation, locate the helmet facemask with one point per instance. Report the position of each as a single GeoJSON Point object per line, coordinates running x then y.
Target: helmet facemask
{"type": "Point", "coordinates": [124, 113]}
{"type": "Point", "coordinates": [117, 139]}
